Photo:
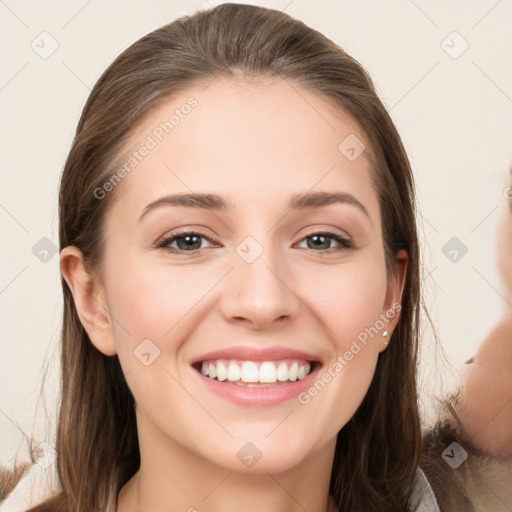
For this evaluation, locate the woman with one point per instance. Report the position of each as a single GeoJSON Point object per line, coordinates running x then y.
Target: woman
{"type": "Point", "coordinates": [241, 280]}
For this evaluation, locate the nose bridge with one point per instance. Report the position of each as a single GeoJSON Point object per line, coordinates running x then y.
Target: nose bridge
{"type": "Point", "coordinates": [258, 290]}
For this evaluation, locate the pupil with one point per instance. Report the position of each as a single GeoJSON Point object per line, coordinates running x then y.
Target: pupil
{"type": "Point", "coordinates": [324, 241]}
{"type": "Point", "coordinates": [188, 242]}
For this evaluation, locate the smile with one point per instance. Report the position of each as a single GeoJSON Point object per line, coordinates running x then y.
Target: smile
{"type": "Point", "coordinates": [256, 373]}
{"type": "Point", "coordinates": [255, 376]}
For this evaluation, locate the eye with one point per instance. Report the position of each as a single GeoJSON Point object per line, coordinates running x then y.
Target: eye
{"type": "Point", "coordinates": [322, 242]}
{"type": "Point", "coordinates": [191, 241]}
{"type": "Point", "coordinates": [188, 241]}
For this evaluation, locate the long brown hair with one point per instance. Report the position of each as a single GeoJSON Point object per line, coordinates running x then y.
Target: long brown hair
{"type": "Point", "coordinates": [377, 451]}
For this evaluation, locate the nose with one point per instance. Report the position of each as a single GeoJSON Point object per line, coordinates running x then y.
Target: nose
{"type": "Point", "coordinates": [259, 294]}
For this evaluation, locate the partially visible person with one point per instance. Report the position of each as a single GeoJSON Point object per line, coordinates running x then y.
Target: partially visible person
{"type": "Point", "coordinates": [478, 415]}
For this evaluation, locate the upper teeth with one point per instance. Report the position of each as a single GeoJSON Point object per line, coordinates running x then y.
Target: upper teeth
{"type": "Point", "coordinates": [251, 371]}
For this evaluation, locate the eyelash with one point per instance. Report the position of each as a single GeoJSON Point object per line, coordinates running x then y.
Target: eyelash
{"type": "Point", "coordinates": [344, 243]}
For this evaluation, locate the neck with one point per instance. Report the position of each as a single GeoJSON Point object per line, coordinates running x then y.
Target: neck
{"type": "Point", "coordinates": [172, 474]}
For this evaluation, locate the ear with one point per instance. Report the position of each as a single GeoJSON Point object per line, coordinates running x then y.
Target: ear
{"type": "Point", "coordinates": [393, 300]}
{"type": "Point", "coordinates": [90, 300]}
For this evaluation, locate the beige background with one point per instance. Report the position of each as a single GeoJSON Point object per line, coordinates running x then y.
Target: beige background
{"type": "Point", "coordinates": [455, 116]}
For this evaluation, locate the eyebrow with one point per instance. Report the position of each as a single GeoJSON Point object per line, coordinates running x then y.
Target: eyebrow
{"type": "Point", "coordinates": [215, 202]}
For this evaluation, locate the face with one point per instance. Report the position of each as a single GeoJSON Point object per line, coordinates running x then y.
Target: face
{"type": "Point", "coordinates": [254, 312]}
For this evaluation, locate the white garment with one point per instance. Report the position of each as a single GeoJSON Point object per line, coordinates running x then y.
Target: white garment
{"type": "Point", "coordinates": [40, 482]}
{"type": "Point", "coordinates": [423, 490]}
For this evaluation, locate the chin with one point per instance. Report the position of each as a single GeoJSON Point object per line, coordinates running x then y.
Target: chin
{"type": "Point", "coordinates": [257, 457]}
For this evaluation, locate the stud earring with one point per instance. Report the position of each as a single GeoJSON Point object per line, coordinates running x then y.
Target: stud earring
{"type": "Point", "coordinates": [385, 334]}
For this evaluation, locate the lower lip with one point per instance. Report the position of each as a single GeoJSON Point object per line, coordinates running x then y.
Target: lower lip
{"type": "Point", "coordinates": [258, 396]}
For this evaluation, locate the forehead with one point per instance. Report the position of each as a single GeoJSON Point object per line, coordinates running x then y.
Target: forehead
{"type": "Point", "coordinates": [256, 138]}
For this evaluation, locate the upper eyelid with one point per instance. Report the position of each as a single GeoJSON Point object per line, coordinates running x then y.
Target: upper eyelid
{"type": "Point", "coordinates": [328, 231]}
{"type": "Point", "coordinates": [173, 236]}
{"type": "Point", "coordinates": [178, 234]}
{"type": "Point", "coordinates": [190, 231]}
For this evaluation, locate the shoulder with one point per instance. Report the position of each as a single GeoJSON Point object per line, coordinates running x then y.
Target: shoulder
{"type": "Point", "coordinates": [38, 482]}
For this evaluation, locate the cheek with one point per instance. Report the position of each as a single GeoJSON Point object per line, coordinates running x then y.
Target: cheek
{"type": "Point", "coordinates": [153, 300]}
{"type": "Point", "coordinates": [349, 307]}
{"type": "Point", "coordinates": [349, 301]}
{"type": "Point", "coordinates": [154, 311]}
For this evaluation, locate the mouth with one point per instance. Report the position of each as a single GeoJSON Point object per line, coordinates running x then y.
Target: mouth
{"type": "Point", "coordinates": [256, 377]}
{"type": "Point", "coordinates": [250, 373]}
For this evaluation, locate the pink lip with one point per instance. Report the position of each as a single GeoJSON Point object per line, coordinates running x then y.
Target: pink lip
{"type": "Point", "coordinates": [252, 397]}
{"type": "Point", "coordinates": [255, 354]}
{"type": "Point", "coordinates": [257, 396]}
